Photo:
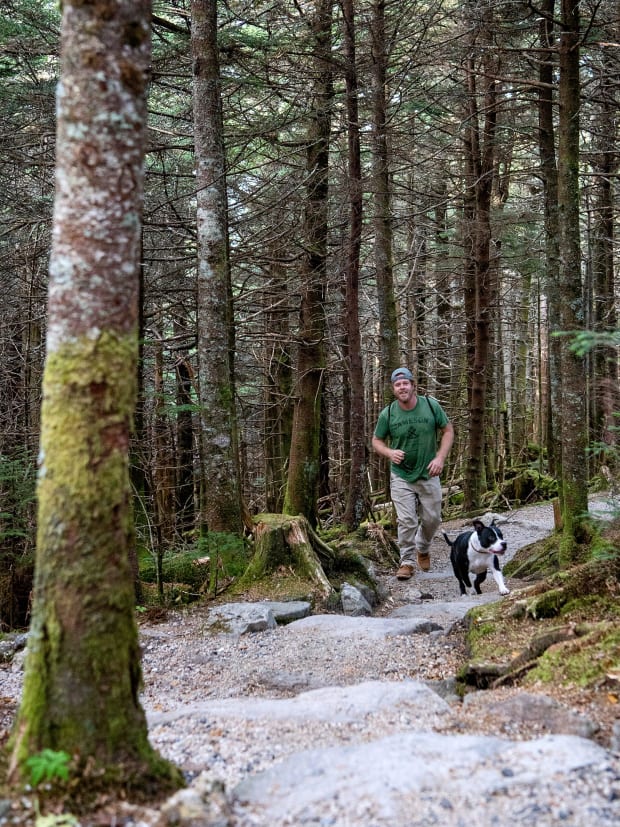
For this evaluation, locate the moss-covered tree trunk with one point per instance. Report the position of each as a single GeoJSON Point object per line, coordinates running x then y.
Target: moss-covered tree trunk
{"type": "Point", "coordinates": [83, 668]}
{"type": "Point", "coordinates": [573, 414]}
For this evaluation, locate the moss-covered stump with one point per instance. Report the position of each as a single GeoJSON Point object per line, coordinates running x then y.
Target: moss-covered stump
{"type": "Point", "coordinates": [287, 548]}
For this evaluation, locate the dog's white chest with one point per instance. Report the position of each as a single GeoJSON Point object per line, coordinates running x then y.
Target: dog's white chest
{"type": "Point", "coordinates": [478, 561]}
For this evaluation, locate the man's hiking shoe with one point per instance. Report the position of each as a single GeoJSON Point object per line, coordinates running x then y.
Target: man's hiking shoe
{"type": "Point", "coordinates": [404, 572]}
{"type": "Point", "coordinates": [424, 561]}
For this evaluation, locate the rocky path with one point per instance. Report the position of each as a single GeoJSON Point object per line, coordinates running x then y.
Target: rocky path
{"type": "Point", "coordinates": [352, 721]}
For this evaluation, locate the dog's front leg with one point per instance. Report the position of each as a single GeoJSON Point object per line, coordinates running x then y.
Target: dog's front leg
{"type": "Point", "coordinates": [499, 578]}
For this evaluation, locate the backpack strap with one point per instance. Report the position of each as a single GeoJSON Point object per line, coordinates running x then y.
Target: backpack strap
{"type": "Point", "coordinates": [389, 407]}
{"type": "Point", "coordinates": [433, 410]}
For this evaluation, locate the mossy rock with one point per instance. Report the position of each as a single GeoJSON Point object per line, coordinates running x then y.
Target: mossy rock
{"type": "Point", "coordinates": [536, 560]}
{"type": "Point", "coordinates": [547, 604]}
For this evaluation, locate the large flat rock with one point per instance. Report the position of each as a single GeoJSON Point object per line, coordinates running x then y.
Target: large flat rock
{"type": "Point", "coordinates": [425, 778]}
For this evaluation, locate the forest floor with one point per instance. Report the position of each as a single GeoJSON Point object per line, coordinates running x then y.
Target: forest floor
{"type": "Point", "coordinates": [211, 701]}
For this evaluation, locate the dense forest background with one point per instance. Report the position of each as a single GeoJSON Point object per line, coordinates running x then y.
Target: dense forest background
{"type": "Point", "coordinates": [333, 189]}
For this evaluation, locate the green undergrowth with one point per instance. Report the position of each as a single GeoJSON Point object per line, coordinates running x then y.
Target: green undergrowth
{"type": "Point", "coordinates": [194, 570]}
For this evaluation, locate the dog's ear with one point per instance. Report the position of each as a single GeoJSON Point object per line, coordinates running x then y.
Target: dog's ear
{"type": "Point", "coordinates": [478, 525]}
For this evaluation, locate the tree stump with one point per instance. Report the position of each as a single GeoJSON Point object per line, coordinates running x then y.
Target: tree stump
{"type": "Point", "coordinates": [288, 545]}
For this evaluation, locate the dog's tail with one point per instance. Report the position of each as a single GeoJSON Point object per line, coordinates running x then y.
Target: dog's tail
{"type": "Point", "coordinates": [447, 539]}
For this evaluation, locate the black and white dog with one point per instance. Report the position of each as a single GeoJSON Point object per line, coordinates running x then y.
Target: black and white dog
{"type": "Point", "coordinates": [473, 552]}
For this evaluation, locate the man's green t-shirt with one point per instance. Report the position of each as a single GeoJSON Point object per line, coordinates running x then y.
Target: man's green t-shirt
{"type": "Point", "coordinates": [415, 433]}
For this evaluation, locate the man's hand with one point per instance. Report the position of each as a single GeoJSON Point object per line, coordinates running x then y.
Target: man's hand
{"type": "Point", "coordinates": [435, 466]}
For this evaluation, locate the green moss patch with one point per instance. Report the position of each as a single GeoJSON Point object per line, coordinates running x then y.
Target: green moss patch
{"type": "Point", "coordinates": [281, 584]}
{"type": "Point", "coordinates": [584, 661]}
{"type": "Point", "coordinates": [535, 560]}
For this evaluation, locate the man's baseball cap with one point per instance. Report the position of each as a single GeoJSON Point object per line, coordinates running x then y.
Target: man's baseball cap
{"type": "Point", "coordinates": [401, 373]}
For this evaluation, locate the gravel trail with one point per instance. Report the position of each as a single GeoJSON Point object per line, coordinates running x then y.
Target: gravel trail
{"type": "Point", "coordinates": [344, 721]}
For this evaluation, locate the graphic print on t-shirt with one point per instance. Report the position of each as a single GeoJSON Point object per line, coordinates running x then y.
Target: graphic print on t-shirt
{"type": "Point", "coordinates": [415, 433]}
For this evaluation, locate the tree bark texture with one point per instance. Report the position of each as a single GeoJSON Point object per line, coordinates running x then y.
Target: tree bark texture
{"type": "Point", "coordinates": [221, 505]}
{"type": "Point", "coordinates": [389, 351]}
{"type": "Point", "coordinates": [549, 174]}
{"type": "Point", "coordinates": [83, 669]}
{"type": "Point", "coordinates": [389, 346]}
{"type": "Point", "coordinates": [572, 304]}
{"type": "Point", "coordinates": [304, 464]}
{"type": "Point", "coordinates": [605, 161]}
{"type": "Point", "coordinates": [356, 504]}
{"type": "Point", "coordinates": [480, 162]}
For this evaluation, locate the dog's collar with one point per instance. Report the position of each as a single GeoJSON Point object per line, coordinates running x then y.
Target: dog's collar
{"type": "Point", "coordinates": [474, 542]}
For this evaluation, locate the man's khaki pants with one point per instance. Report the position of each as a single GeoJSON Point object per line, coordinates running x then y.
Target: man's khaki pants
{"type": "Point", "coordinates": [418, 512]}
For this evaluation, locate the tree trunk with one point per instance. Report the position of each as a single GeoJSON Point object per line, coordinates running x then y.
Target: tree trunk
{"type": "Point", "coordinates": [184, 493]}
{"type": "Point", "coordinates": [163, 457]}
{"type": "Point", "coordinates": [389, 351]}
{"type": "Point", "coordinates": [521, 429]}
{"type": "Point", "coordinates": [605, 159]}
{"type": "Point", "coordinates": [389, 348]}
{"type": "Point", "coordinates": [83, 669]}
{"type": "Point", "coordinates": [304, 465]}
{"type": "Point", "coordinates": [221, 507]}
{"type": "Point", "coordinates": [549, 174]}
{"type": "Point", "coordinates": [446, 363]}
{"type": "Point", "coordinates": [572, 307]}
{"type": "Point", "coordinates": [356, 504]}
{"type": "Point", "coordinates": [138, 474]}
{"type": "Point", "coordinates": [480, 150]}
{"type": "Point", "coordinates": [277, 394]}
